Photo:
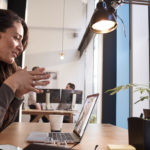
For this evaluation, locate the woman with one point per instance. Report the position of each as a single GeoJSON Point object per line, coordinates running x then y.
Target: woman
{"type": "Point", "coordinates": [14, 81]}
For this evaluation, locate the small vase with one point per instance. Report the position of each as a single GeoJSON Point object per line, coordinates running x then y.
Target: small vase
{"type": "Point", "coordinates": [146, 113]}
{"type": "Point", "coordinates": [139, 133]}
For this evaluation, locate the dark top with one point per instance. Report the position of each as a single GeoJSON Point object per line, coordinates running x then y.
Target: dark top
{"type": "Point", "coordinates": [9, 106]}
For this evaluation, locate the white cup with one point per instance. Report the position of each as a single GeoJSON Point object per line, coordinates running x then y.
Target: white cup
{"type": "Point", "coordinates": [56, 122]}
{"type": "Point", "coordinates": [43, 106]}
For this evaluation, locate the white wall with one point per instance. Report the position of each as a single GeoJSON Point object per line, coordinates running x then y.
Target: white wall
{"type": "Point", "coordinates": [89, 54]}
{"type": "Point", "coordinates": [140, 53]}
{"type": "Point", "coordinates": [45, 21]}
{"type": "Point", "coordinates": [3, 4]}
{"type": "Point", "coordinates": [89, 65]}
{"type": "Point", "coordinates": [44, 18]}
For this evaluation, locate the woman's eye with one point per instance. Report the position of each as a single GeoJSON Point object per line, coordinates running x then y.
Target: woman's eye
{"type": "Point", "coordinates": [17, 38]}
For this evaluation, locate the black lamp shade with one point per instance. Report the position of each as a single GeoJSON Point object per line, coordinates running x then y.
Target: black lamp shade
{"type": "Point", "coordinates": [103, 20]}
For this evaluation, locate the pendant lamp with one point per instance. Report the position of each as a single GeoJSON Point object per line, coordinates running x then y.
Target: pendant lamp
{"type": "Point", "coordinates": [103, 20]}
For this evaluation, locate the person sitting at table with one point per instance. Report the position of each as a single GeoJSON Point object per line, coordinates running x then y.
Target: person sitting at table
{"type": "Point", "coordinates": [14, 81]}
{"type": "Point", "coordinates": [69, 86]}
{"type": "Point", "coordinates": [33, 104]}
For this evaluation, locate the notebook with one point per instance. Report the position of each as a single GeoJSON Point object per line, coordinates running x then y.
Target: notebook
{"type": "Point", "coordinates": [44, 147]}
{"type": "Point", "coordinates": [79, 129]}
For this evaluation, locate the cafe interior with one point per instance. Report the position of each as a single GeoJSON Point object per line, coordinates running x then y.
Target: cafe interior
{"type": "Point", "coordinates": [64, 40]}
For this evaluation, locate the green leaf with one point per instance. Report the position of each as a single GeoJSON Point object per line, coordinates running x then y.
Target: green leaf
{"type": "Point", "coordinates": [142, 98]}
{"type": "Point", "coordinates": [114, 90]}
{"type": "Point", "coordinates": [141, 88]}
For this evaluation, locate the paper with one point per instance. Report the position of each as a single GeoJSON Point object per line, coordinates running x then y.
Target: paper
{"type": "Point", "coordinates": [120, 147]}
{"type": "Point", "coordinates": [9, 147]}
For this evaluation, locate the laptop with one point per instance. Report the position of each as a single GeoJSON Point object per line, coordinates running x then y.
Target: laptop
{"type": "Point", "coordinates": [79, 129]}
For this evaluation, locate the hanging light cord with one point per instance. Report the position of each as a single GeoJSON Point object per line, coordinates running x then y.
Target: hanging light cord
{"type": "Point", "coordinates": [123, 25]}
{"type": "Point", "coordinates": [63, 27]}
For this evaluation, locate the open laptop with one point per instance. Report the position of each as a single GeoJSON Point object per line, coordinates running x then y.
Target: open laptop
{"type": "Point", "coordinates": [79, 129]}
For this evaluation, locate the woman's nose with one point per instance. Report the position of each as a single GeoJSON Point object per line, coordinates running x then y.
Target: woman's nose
{"type": "Point", "coordinates": [20, 47]}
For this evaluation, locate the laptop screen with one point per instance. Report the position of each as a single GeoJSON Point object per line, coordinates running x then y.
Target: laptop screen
{"type": "Point", "coordinates": [85, 114]}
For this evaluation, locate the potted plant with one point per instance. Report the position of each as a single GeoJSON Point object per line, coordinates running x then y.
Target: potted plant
{"type": "Point", "coordinates": [138, 128]}
{"type": "Point", "coordinates": [144, 91]}
{"type": "Point", "coordinates": [141, 88]}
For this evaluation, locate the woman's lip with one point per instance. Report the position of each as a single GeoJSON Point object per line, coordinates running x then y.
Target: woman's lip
{"type": "Point", "coordinates": [15, 55]}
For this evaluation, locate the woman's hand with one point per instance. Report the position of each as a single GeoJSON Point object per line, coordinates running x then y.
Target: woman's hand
{"type": "Point", "coordinates": [23, 81]}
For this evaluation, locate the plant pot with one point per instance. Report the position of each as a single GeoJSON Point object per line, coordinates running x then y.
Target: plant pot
{"type": "Point", "coordinates": [139, 133]}
{"type": "Point", "coordinates": [146, 113]}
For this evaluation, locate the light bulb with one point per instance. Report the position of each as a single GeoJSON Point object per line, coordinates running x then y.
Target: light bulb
{"type": "Point", "coordinates": [62, 55]}
{"type": "Point", "coordinates": [103, 25]}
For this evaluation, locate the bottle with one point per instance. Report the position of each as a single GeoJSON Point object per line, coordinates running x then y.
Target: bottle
{"type": "Point", "coordinates": [73, 101]}
{"type": "Point", "coordinates": [47, 99]}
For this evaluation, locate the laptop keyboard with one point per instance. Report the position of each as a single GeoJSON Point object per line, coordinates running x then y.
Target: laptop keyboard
{"type": "Point", "coordinates": [57, 136]}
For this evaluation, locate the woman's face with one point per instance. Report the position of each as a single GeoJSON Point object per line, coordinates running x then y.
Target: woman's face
{"type": "Point", "coordinates": [11, 43]}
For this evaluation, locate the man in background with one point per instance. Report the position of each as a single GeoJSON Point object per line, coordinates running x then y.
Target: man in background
{"type": "Point", "coordinates": [70, 86]}
{"type": "Point", "coordinates": [66, 106]}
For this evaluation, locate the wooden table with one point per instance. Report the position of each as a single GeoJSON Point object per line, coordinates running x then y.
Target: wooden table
{"type": "Point", "coordinates": [102, 135]}
{"type": "Point", "coordinates": [40, 113]}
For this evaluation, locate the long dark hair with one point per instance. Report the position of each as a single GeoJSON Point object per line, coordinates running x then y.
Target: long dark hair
{"type": "Point", "coordinates": [7, 20]}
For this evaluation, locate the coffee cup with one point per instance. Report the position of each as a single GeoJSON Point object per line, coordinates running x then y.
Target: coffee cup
{"type": "Point", "coordinates": [56, 122]}
{"type": "Point", "coordinates": [43, 106]}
